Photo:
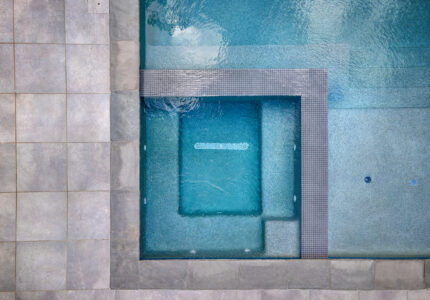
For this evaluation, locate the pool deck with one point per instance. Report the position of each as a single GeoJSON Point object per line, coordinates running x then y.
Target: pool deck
{"type": "Point", "coordinates": [69, 140]}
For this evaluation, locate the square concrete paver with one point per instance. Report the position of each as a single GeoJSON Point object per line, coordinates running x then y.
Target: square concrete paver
{"type": "Point", "coordinates": [382, 295]}
{"type": "Point", "coordinates": [352, 274]}
{"type": "Point", "coordinates": [41, 167]}
{"type": "Point", "coordinates": [89, 216]}
{"type": "Point", "coordinates": [285, 294]}
{"type": "Point", "coordinates": [7, 216]}
{"type": "Point", "coordinates": [125, 115]}
{"type": "Point", "coordinates": [88, 118]}
{"type": "Point", "coordinates": [125, 65]}
{"type": "Point", "coordinates": [42, 216]}
{"type": "Point", "coordinates": [7, 118]}
{"type": "Point", "coordinates": [399, 274]}
{"type": "Point", "coordinates": [41, 265]}
{"type": "Point", "coordinates": [89, 166]}
{"type": "Point", "coordinates": [39, 21]}
{"type": "Point", "coordinates": [87, 22]}
{"type": "Point", "coordinates": [333, 295]}
{"type": "Point", "coordinates": [7, 168]}
{"type": "Point", "coordinates": [213, 274]}
{"type": "Point", "coordinates": [124, 19]}
{"type": "Point", "coordinates": [7, 267]}
{"type": "Point", "coordinates": [88, 69]}
{"type": "Point", "coordinates": [125, 157]}
{"type": "Point", "coordinates": [88, 264]}
{"type": "Point", "coordinates": [44, 295]}
{"type": "Point", "coordinates": [6, 67]}
{"type": "Point", "coordinates": [40, 68]}
{"type": "Point", "coordinates": [91, 295]}
{"type": "Point", "coordinates": [41, 118]}
{"type": "Point", "coordinates": [6, 21]}
{"type": "Point", "coordinates": [125, 215]}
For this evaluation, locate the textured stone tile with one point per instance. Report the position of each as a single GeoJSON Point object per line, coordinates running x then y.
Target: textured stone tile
{"type": "Point", "coordinates": [125, 115]}
{"type": "Point", "coordinates": [7, 118]}
{"type": "Point", "coordinates": [240, 294]}
{"type": "Point", "coordinates": [7, 216]}
{"type": "Point", "coordinates": [7, 269]}
{"type": "Point", "coordinates": [91, 295]}
{"type": "Point", "coordinates": [40, 68]}
{"type": "Point", "coordinates": [88, 264]}
{"type": "Point", "coordinates": [6, 67]}
{"type": "Point", "coordinates": [84, 23]}
{"type": "Point", "coordinates": [125, 159]}
{"type": "Point", "coordinates": [124, 266]}
{"type": "Point", "coordinates": [125, 215]}
{"type": "Point", "coordinates": [89, 216]}
{"type": "Point", "coordinates": [308, 274]}
{"type": "Point", "coordinates": [427, 272]}
{"type": "Point", "coordinates": [88, 69]}
{"type": "Point", "coordinates": [400, 274]}
{"type": "Point", "coordinates": [419, 295]}
{"type": "Point", "coordinates": [212, 274]}
{"type": "Point", "coordinates": [6, 22]}
{"type": "Point", "coordinates": [46, 295]}
{"type": "Point", "coordinates": [40, 118]}
{"type": "Point", "coordinates": [98, 6]}
{"type": "Point", "coordinates": [89, 166]}
{"type": "Point", "coordinates": [42, 216]}
{"type": "Point", "coordinates": [382, 295]}
{"type": "Point", "coordinates": [129, 295]}
{"type": "Point", "coordinates": [7, 168]}
{"type": "Point", "coordinates": [88, 118]}
{"type": "Point", "coordinates": [124, 65]}
{"type": "Point", "coordinates": [163, 274]}
{"type": "Point", "coordinates": [41, 167]}
{"type": "Point", "coordinates": [39, 21]}
{"type": "Point", "coordinates": [285, 294]}
{"type": "Point", "coordinates": [7, 296]}
{"type": "Point", "coordinates": [174, 294]}
{"type": "Point", "coordinates": [41, 265]}
{"type": "Point", "coordinates": [124, 20]}
{"type": "Point", "coordinates": [263, 274]}
{"type": "Point", "coordinates": [352, 274]}
{"type": "Point", "coordinates": [333, 295]}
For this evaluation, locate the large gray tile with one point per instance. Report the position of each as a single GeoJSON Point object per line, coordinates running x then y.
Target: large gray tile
{"type": "Point", "coordinates": [352, 274]}
{"type": "Point", "coordinates": [240, 294]}
{"type": "Point", "coordinates": [309, 274]}
{"type": "Point", "coordinates": [285, 294]}
{"type": "Point", "coordinates": [98, 6]}
{"type": "Point", "coordinates": [42, 216]}
{"type": "Point", "coordinates": [6, 67]}
{"type": "Point", "coordinates": [41, 265]}
{"type": "Point", "coordinates": [89, 216]}
{"type": "Point", "coordinates": [40, 118]}
{"type": "Point", "coordinates": [7, 118]}
{"type": "Point", "coordinates": [125, 158]}
{"type": "Point", "coordinates": [400, 274]}
{"type": "Point", "coordinates": [7, 168]}
{"type": "Point", "coordinates": [124, 264]}
{"type": "Point", "coordinates": [382, 295]}
{"type": "Point", "coordinates": [6, 21]}
{"type": "Point", "coordinates": [88, 118]}
{"type": "Point", "coordinates": [7, 267]}
{"type": "Point", "coordinates": [88, 265]}
{"type": "Point", "coordinates": [84, 24]}
{"type": "Point", "coordinates": [39, 21]}
{"type": "Point", "coordinates": [88, 69]}
{"type": "Point", "coordinates": [125, 115]}
{"type": "Point", "coordinates": [263, 274]}
{"type": "Point", "coordinates": [7, 296]}
{"type": "Point", "coordinates": [40, 68]}
{"type": "Point", "coordinates": [7, 216]}
{"type": "Point", "coordinates": [427, 272]}
{"type": "Point", "coordinates": [213, 274]}
{"type": "Point", "coordinates": [42, 167]}
{"type": "Point", "coordinates": [163, 274]}
{"type": "Point", "coordinates": [419, 295]}
{"type": "Point", "coordinates": [333, 295]}
{"type": "Point", "coordinates": [125, 65]}
{"type": "Point", "coordinates": [91, 295]}
{"type": "Point", "coordinates": [125, 215]}
{"type": "Point", "coordinates": [89, 166]}
{"type": "Point", "coordinates": [172, 295]}
{"type": "Point", "coordinates": [124, 20]}
{"type": "Point", "coordinates": [39, 295]}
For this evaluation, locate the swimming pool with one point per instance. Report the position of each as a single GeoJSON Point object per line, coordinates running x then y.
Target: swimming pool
{"type": "Point", "coordinates": [377, 56]}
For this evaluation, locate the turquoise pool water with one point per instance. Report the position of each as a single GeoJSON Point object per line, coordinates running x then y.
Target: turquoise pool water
{"type": "Point", "coordinates": [377, 54]}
